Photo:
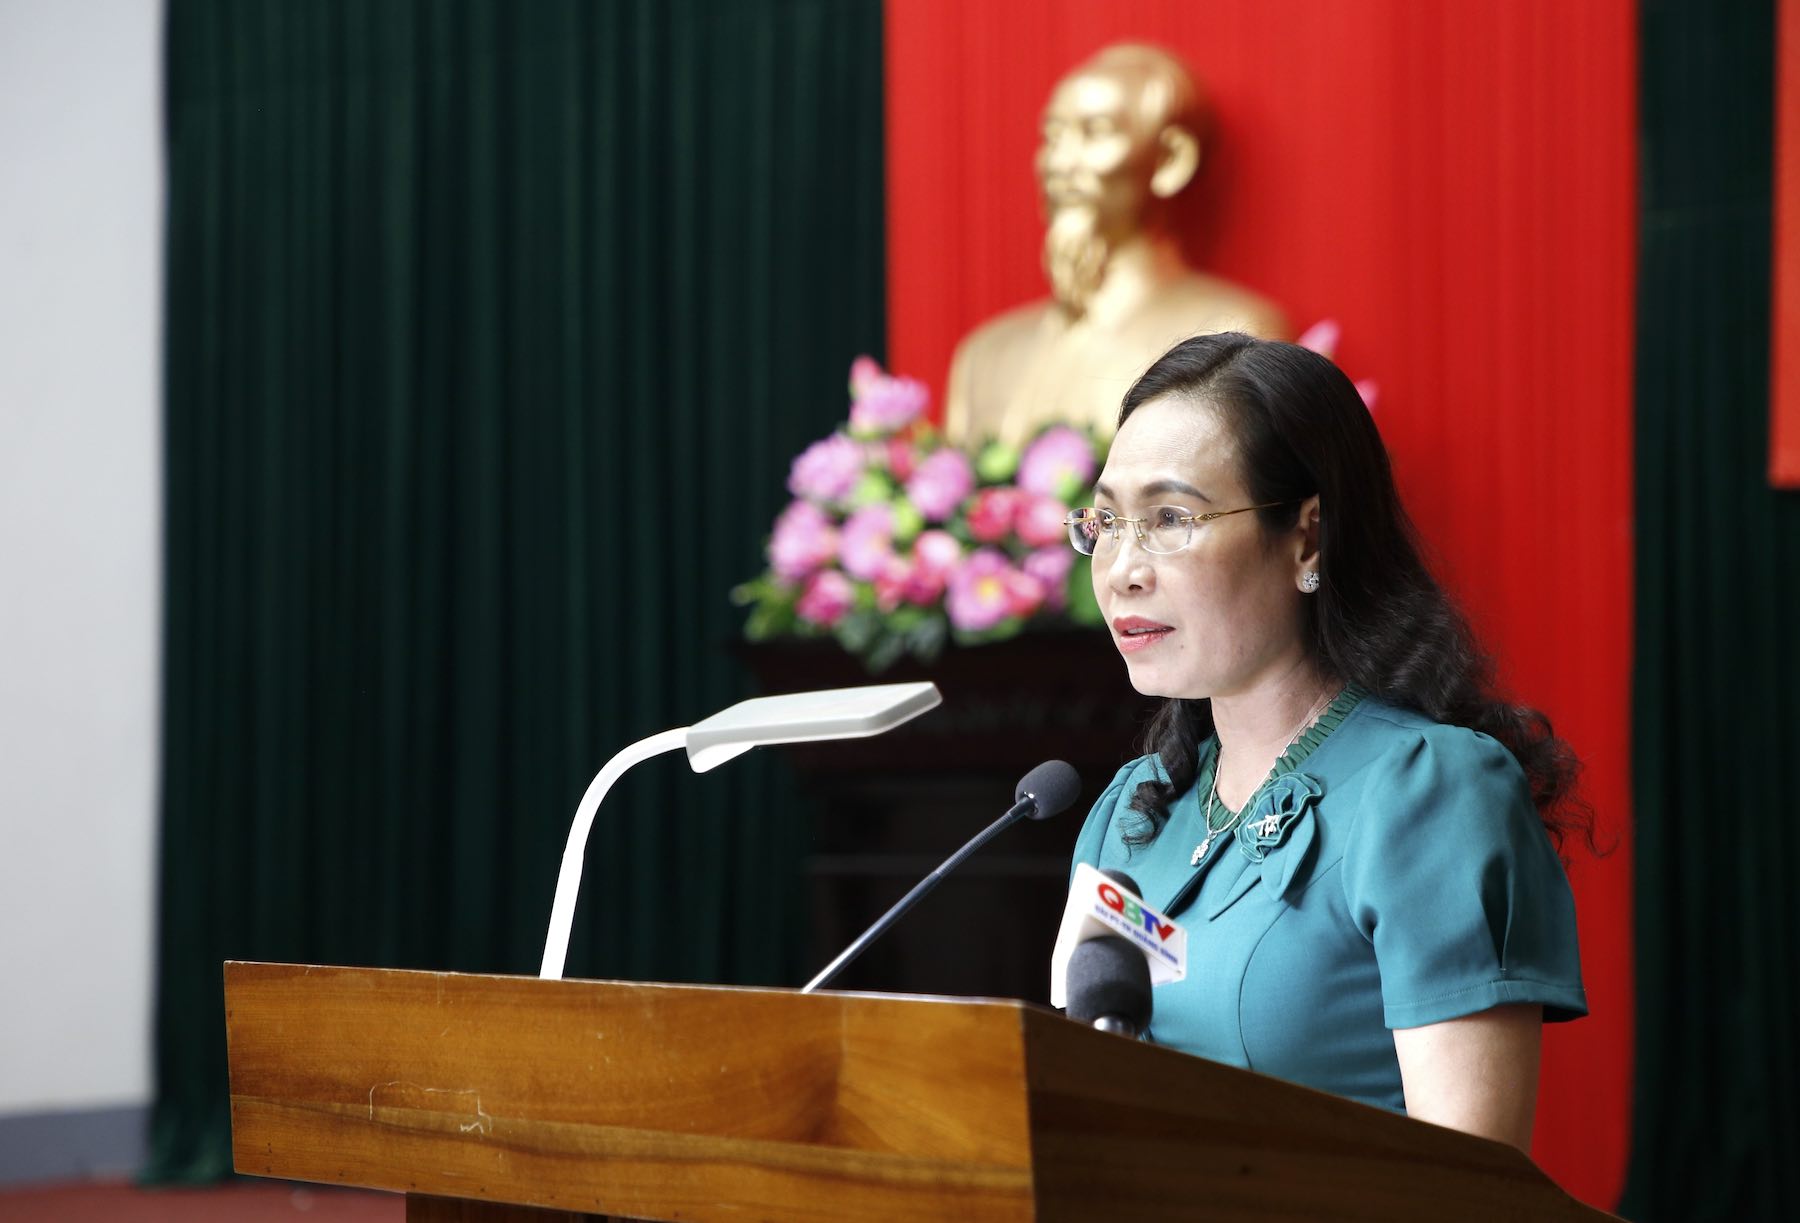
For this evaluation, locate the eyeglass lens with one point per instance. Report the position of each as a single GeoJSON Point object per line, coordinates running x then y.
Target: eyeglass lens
{"type": "Point", "coordinates": [1163, 529]}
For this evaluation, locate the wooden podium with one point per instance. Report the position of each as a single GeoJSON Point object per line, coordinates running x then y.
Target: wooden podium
{"type": "Point", "coordinates": [510, 1098]}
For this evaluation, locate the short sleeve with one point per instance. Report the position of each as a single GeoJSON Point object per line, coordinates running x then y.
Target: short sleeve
{"type": "Point", "coordinates": [1090, 845]}
{"type": "Point", "coordinates": [1450, 875]}
{"type": "Point", "coordinates": [1093, 838]}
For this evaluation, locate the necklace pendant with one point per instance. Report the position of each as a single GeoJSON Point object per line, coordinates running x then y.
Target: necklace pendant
{"type": "Point", "coordinates": [1200, 851]}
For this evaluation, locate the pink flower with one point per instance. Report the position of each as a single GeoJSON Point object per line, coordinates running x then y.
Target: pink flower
{"type": "Point", "coordinates": [901, 458]}
{"type": "Point", "coordinates": [804, 539]}
{"type": "Point", "coordinates": [827, 470]}
{"type": "Point", "coordinates": [1041, 521]}
{"type": "Point", "coordinates": [867, 545]}
{"type": "Point", "coordinates": [937, 551]}
{"type": "Point", "coordinates": [1321, 337]}
{"type": "Point", "coordinates": [1051, 566]}
{"type": "Point", "coordinates": [940, 484]}
{"type": "Point", "coordinates": [892, 584]}
{"type": "Point", "coordinates": [935, 556]}
{"type": "Point", "coordinates": [991, 517]}
{"type": "Point", "coordinates": [865, 372]}
{"type": "Point", "coordinates": [828, 595]}
{"type": "Point", "coordinates": [1369, 391]}
{"type": "Point", "coordinates": [1024, 593]}
{"type": "Point", "coordinates": [1058, 464]}
{"type": "Point", "coordinates": [977, 598]}
{"type": "Point", "coordinates": [881, 402]}
{"type": "Point", "coordinates": [921, 587]}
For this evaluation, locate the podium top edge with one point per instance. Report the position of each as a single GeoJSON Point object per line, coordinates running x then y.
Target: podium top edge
{"type": "Point", "coordinates": [254, 967]}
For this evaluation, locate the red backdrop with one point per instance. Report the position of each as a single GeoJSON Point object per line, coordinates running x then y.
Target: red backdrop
{"type": "Point", "coordinates": [1784, 332]}
{"type": "Point", "coordinates": [1455, 184]}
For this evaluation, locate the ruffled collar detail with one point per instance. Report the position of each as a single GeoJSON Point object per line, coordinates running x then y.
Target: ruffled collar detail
{"type": "Point", "coordinates": [1297, 752]}
{"type": "Point", "coordinates": [1277, 831]}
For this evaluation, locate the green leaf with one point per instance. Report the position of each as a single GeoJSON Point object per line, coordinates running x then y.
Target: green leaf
{"type": "Point", "coordinates": [857, 631]}
{"type": "Point", "coordinates": [926, 639]}
{"type": "Point", "coordinates": [770, 620]}
{"type": "Point", "coordinates": [908, 522]}
{"type": "Point", "coordinates": [996, 463]}
{"type": "Point", "coordinates": [885, 652]}
{"type": "Point", "coordinates": [905, 618]}
{"type": "Point", "coordinates": [874, 487]}
{"type": "Point", "coordinates": [1012, 626]}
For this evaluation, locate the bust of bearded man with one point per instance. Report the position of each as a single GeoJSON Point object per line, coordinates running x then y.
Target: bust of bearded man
{"type": "Point", "coordinates": [1121, 138]}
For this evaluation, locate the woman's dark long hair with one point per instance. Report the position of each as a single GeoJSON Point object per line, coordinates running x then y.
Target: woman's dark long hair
{"type": "Point", "coordinates": [1379, 618]}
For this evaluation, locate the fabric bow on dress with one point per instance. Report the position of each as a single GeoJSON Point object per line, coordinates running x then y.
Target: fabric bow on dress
{"type": "Point", "coordinates": [1278, 831]}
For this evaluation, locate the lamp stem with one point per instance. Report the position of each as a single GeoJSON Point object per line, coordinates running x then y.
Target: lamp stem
{"type": "Point", "coordinates": [568, 882]}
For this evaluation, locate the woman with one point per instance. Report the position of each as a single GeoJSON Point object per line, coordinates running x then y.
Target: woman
{"type": "Point", "coordinates": [1356, 833]}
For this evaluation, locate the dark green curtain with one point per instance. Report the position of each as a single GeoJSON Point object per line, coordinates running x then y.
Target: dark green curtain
{"type": "Point", "coordinates": [492, 328]}
{"type": "Point", "coordinates": [1717, 721]}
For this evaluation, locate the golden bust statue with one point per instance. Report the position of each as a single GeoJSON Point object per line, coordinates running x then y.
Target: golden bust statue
{"type": "Point", "coordinates": [1122, 135]}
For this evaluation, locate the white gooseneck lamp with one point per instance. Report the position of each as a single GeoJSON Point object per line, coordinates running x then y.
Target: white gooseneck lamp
{"type": "Point", "coordinates": [799, 717]}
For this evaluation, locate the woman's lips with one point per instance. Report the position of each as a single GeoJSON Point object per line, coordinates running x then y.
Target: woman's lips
{"type": "Point", "coordinates": [1135, 633]}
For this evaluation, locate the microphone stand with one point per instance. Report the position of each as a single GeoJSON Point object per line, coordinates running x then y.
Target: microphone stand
{"type": "Point", "coordinates": [1019, 810]}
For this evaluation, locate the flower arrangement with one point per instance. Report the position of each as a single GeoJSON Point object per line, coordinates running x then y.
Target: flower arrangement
{"type": "Point", "coordinates": [897, 541]}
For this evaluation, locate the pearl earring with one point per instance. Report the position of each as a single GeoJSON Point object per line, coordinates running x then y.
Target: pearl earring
{"type": "Point", "coordinates": [1309, 581]}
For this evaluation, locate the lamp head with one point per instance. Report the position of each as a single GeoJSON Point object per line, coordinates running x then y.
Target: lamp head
{"type": "Point", "coordinates": [805, 717]}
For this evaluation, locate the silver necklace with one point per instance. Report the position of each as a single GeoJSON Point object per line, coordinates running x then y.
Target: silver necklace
{"type": "Point", "coordinates": [1212, 833]}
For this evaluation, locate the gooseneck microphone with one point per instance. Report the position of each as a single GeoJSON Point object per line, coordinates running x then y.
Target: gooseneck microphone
{"type": "Point", "coordinates": [1109, 979]}
{"type": "Point", "coordinates": [1047, 790]}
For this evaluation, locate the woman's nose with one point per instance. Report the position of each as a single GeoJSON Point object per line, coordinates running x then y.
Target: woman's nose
{"type": "Point", "coordinates": [1129, 567]}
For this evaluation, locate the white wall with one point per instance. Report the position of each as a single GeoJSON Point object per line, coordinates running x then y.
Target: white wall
{"type": "Point", "coordinates": [80, 547]}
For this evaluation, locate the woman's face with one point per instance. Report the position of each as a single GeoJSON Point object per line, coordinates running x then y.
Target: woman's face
{"type": "Point", "coordinates": [1225, 612]}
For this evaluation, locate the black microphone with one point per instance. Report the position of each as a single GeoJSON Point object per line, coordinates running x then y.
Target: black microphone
{"type": "Point", "coordinates": [1109, 979]}
{"type": "Point", "coordinates": [1047, 790]}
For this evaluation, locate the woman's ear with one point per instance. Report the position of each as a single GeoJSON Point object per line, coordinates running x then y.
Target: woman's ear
{"type": "Point", "coordinates": [1306, 544]}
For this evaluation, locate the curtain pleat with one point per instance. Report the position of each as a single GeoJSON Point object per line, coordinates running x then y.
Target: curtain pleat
{"type": "Point", "coordinates": [1716, 1117]}
{"type": "Point", "coordinates": [491, 330]}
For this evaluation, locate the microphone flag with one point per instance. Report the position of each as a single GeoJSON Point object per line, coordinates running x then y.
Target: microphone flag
{"type": "Point", "coordinates": [1098, 907]}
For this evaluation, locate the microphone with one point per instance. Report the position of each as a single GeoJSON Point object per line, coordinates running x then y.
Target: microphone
{"type": "Point", "coordinates": [1047, 790]}
{"type": "Point", "coordinates": [1104, 908]}
{"type": "Point", "coordinates": [1109, 983]}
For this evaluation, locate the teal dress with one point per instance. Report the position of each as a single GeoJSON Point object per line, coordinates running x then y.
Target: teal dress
{"type": "Point", "coordinates": [1391, 873]}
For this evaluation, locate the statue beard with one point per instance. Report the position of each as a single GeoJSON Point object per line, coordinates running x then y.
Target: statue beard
{"type": "Point", "coordinates": [1076, 253]}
